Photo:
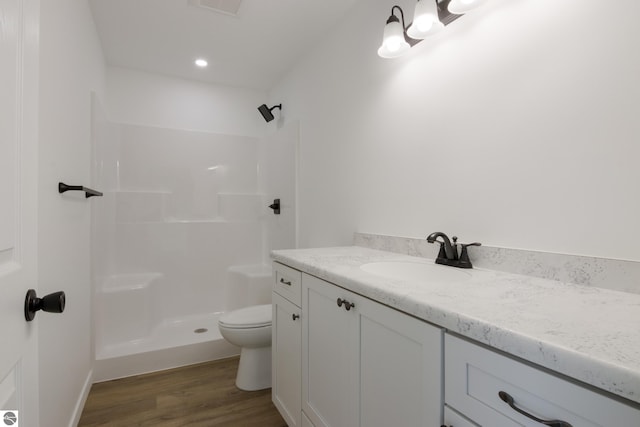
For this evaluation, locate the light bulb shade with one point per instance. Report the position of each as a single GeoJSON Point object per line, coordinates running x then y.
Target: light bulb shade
{"type": "Point", "coordinates": [459, 7]}
{"type": "Point", "coordinates": [393, 41]}
{"type": "Point", "coordinates": [425, 20]}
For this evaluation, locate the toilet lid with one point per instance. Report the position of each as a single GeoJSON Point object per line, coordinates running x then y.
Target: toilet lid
{"type": "Point", "coordinates": [249, 317]}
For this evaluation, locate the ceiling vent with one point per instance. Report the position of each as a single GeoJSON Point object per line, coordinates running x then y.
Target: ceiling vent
{"type": "Point", "coordinates": [226, 7]}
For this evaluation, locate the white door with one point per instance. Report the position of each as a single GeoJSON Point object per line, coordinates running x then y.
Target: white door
{"type": "Point", "coordinates": [18, 215]}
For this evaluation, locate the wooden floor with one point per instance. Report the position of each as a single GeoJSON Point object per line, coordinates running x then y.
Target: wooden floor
{"type": "Point", "coordinates": [198, 395]}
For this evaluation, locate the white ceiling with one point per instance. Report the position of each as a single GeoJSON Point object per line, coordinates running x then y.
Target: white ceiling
{"type": "Point", "coordinates": [253, 49]}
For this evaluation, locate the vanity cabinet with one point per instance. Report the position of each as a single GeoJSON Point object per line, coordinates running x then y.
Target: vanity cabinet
{"type": "Point", "coordinates": [475, 377]}
{"type": "Point", "coordinates": [343, 360]}
{"type": "Point", "coordinates": [286, 344]}
{"type": "Point", "coordinates": [365, 364]}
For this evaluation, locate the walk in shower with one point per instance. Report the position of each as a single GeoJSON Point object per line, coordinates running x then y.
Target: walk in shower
{"type": "Point", "coordinates": [181, 235]}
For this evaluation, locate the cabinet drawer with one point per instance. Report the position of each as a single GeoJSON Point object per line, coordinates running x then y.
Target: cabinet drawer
{"type": "Point", "coordinates": [287, 282]}
{"type": "Point", "coordinates": [475, 375]}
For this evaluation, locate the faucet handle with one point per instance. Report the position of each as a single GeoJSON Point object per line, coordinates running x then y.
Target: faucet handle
{"type": "Point", "coordinates": [465, 262]}
{"type": "Point", "coordinates": [464, 245]}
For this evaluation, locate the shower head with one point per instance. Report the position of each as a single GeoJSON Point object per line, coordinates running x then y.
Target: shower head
{"type": "Point", "coordinates": [266, 111]}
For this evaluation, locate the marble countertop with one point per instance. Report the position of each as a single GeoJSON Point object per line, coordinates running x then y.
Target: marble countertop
{"type": "Point", "coordinates": [587, 333]}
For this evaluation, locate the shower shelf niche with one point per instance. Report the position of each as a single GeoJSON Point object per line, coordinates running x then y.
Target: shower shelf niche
{"type": "Point", "coordinates": [139, 206]}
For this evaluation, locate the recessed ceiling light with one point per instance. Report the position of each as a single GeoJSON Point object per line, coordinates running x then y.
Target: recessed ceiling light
{"type": "Point", "coordinates": [201, 62]}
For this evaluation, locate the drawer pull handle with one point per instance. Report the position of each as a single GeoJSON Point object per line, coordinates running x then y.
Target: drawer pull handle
{"type": "Point", "coordinates": [285, 282]}
{"type": "Point", "coordinates": [347, 305]}
{"type": "Point", "coordinates": [506, 397]}
{"type": "Point", "coordinates": [295, 316]}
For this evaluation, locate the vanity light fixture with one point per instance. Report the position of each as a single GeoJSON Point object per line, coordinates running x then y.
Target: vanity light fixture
{"type": "Point", "coordinates": [200, 62]}
{"type": "Point", "coordinates": [430, 16]}
{"type": "Point", "coordinates": [425, 20]}
{"type": "Point", "coordinates": [395, 41]}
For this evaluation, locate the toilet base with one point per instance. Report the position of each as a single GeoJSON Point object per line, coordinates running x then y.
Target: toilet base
{"type": "Point", "coordinates": [254, 370]}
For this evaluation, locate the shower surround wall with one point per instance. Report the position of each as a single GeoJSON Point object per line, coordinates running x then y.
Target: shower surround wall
{"type": "Point", "coordinates": [179, 232]}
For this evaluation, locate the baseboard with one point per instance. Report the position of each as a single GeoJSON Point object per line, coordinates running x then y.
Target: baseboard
{"type": "Point", "coordinates": [158, 360]}
{"type": "Point", "coordinates": [77, 411]}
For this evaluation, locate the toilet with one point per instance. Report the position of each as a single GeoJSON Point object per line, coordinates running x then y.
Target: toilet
{"type": "Point", "coordinates": [250, 329]}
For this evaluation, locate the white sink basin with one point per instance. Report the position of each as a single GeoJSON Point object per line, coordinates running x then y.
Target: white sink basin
{"type": "Point", "coordinates": [416, 271]}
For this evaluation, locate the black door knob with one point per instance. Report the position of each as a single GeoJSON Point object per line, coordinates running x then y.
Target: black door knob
{"type": "Point", "coordinates": [52, 303]}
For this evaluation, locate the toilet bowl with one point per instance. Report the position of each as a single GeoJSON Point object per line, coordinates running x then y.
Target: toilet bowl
{"type": "Point", "coordinates": [250, 329]}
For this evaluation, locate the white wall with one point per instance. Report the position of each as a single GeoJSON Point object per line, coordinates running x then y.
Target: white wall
{"type": "Point", "coordinates": [142, 98]}
{"type": "Point", "coordinates": [71, 66]}
{"type": "Point", "coordinates": [517, 127]}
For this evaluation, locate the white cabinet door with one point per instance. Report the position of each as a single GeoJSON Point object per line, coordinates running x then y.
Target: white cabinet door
{"type": "Point", "coordinates": [286, 369]}
{"type": "Point", "coordinates": [329, 355]}
{"type": "Point", "coordinates": [369, 366]}
{"type": "Point", "coordinates": [400, 369]}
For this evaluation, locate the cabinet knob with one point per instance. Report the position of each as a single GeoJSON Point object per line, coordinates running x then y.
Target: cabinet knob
{"type": "Point", "coordinates": [295, 316]}
{"type": "Point", "coordinates": [347, 305]}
